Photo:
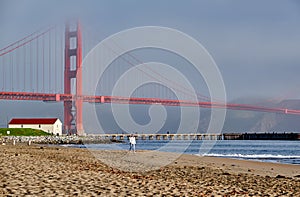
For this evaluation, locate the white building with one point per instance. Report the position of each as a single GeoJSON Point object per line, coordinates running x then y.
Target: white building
{"type": "Point", "coordinates": [49, 125]}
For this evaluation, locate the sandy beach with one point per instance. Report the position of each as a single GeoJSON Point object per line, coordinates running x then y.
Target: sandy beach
{"type": "Point", "coordinates": [38, 170]}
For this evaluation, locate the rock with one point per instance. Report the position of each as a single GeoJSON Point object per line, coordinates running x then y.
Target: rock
{"type": "Point", "coordinates": [225, 173]}
{"type": "Point", "coordinates": [280, 176]}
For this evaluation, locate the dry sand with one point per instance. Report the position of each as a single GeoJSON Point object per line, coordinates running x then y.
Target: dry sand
{"type": "Point", "coordinates": [57, 171]}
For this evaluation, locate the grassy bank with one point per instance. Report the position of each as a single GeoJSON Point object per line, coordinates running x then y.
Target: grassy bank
{"type": "Point", "coordinates": [22, 132]}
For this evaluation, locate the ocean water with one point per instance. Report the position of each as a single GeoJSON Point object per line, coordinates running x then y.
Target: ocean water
{"type": "Point", "coordinates": [259, 150]}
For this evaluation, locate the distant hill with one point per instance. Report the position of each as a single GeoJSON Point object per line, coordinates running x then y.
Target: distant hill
{"type": "Point", "coordinates": [280, 122]}
{"type": "Point", "coordinates": [251, 121]}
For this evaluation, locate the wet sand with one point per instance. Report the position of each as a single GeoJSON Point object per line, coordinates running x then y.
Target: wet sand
{"type": "Point", "coordinates": [57, 171]}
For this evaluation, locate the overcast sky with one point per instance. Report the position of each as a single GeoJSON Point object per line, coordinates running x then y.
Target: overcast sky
{"type": "Point", "coordinates": [256, 44]}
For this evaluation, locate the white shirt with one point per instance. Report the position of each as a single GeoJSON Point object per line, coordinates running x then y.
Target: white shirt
{"type": "Point", "coordinates": [132, 140]}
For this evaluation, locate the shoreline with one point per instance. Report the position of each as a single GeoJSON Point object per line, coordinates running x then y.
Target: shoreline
{"type": "Point", "coordinates": [242, 157]}
{"type": "Point", "coordinates": [55, 170]}
{"type": "Point", "coordinates": [224, 157]}
{"type": "Point", "coordinates": [74, 141]}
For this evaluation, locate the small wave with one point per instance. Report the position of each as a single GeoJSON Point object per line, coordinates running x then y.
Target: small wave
{"type": "Point", "coordinates": [256, 156]}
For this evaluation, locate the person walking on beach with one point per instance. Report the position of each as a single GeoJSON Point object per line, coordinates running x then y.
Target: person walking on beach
{"type": "Point", "coordinates": [132, 143]}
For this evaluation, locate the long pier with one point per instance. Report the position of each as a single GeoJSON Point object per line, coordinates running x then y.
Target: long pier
{"type": "Point", "coordinates": [167, 136]}
{"type": "Point", "coordinates": [206, 136]}
{"type": "Point", "coordinates": [108, 138]}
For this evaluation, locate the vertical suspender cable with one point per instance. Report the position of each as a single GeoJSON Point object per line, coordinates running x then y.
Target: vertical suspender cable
{"type": "Point", "coordinates": [61, 63]}
{"type": "Point", "coordinates": [17, 68]}
{"type": "Point", "coordinates": [11, 71]}
{"type": "Point", "coordinates": [3, 71]}
{"type": "Point", "coordinates": [43, 63]}
{"type": "Point", "coordinates": [55, 61]}
{"type": "Point", "coordinates": [30, 68]}
{"type": "Point", "coordinates": [37, 65]}
{"type": "Point", "coordinates": [25, 64]}
{"type": "Point", "coordinates": [49, 63]}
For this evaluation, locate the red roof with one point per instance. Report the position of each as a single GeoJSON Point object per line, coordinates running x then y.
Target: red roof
{"type": "Point", "coordinates": [33, 121]}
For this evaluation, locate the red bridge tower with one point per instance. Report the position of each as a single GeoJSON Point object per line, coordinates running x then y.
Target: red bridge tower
{"type": "Point", "coordinates": [73, 79]}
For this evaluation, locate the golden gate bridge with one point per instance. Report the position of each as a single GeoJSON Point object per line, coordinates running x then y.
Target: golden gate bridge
{"type": "Point", "coordinates": [31, 70]}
